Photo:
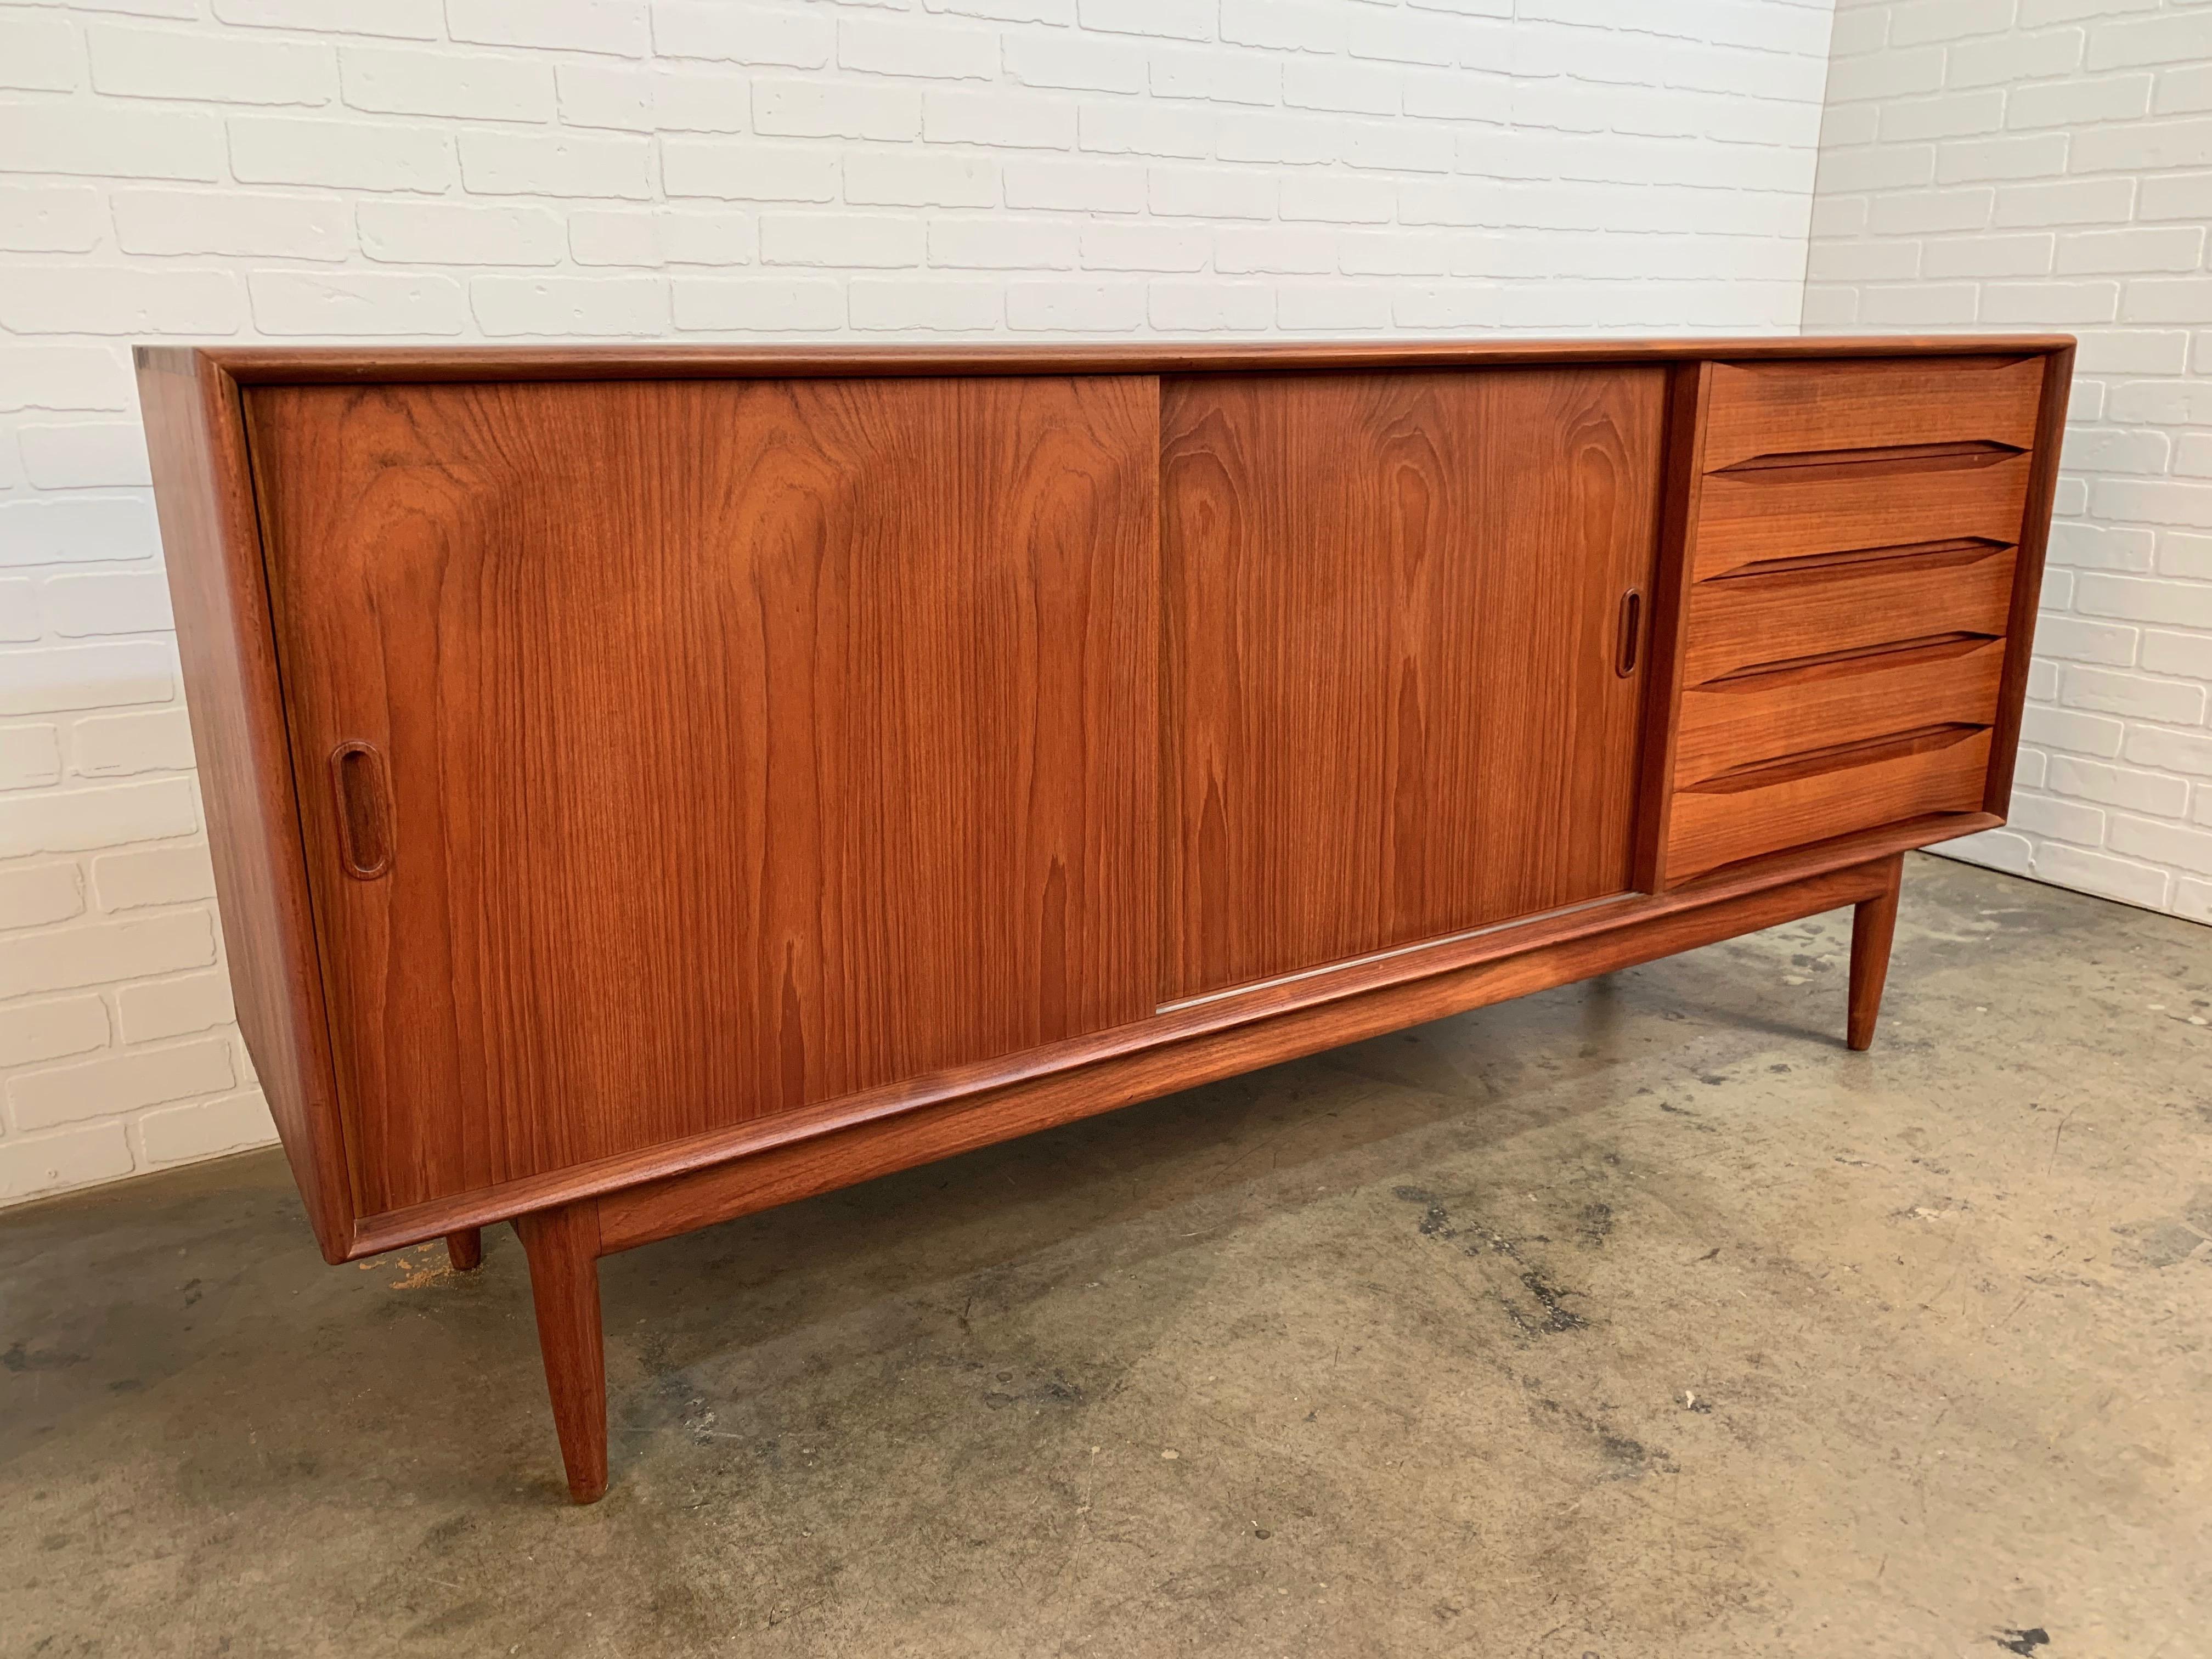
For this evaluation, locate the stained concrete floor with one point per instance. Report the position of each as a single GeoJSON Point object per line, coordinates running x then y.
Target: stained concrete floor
{"type": "Point", "coordinates": [1634, 1319]}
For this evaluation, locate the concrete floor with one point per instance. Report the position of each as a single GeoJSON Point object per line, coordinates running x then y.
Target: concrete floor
{"type": "Point", "coordinates": [1634, 1319]}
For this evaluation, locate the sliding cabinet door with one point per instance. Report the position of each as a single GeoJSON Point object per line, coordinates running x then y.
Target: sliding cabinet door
{"type": "Point", "coordinates": [674, 754]}
{"type": "Point", "coordinates": [1397, 698]}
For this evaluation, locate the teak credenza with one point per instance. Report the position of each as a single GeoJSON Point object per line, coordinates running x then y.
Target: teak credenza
{"type": "Point", "coordinates": [649, 786]}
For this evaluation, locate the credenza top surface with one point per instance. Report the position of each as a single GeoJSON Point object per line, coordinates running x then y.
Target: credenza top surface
{"type": "Point", "coordinates": [295, 365]}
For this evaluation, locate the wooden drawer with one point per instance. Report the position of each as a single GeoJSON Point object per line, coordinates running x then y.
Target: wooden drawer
{"type": "Point", "coordinates": [1833, 792]}
{"type": "Point", "coordinates": [1758, 410]}
{"type": "Point", "coordinates": [1757, 718]}
{"type": "Point", "coordinates": [1764, 621]}
{"type": "Point", "coordinates": [1779, 513]}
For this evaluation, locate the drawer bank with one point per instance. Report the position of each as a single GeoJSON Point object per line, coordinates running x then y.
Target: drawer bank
{"type": "Point", "coordinates": [647, 786]}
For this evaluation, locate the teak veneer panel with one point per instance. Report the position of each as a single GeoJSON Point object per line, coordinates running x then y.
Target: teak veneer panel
{"type": "Point", "coordinates": [203, 497]}
{"type": "Point", "coordinates": [749, 742]}
{"type": "Point", "coordinates": [1940, 773]}
{"type": "Point", "coordinates": [1800, 408]}
{"type": "Point", "coordinates": [1367, 1006]}
{"type": "Point", "coordinates": [1757, 622]}
{"type": "Point", "coordinates": [2028, 577]}
{"type": "Point", "coordinates": [1262, 1014]}
{"type": "Point", "coordinates": [1394, 605]}
{"type": "Point", "coordinates": [1762, 717]}
{"type": "Point", "coordinates": [1744, 518]}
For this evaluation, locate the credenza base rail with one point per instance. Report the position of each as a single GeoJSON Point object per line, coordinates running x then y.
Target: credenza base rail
{"type": "Point", "coordinates": [1425, 981]}
{"type": "Point", "coordinates": [564, 1242]}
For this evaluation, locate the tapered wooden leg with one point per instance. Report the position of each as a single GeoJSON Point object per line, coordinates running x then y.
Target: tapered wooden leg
{"type": "Point", "coordinates": [1873, 922]}
{"type": "Point", "coordinates": [563, 1248]}
{"type": "Point", "coordinates": [464, 1249]}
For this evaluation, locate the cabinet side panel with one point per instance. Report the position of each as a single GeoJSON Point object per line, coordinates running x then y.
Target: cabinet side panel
{"type": "Point", "coordinates": [2027, 578]}
{"type": "Point", "coordinates": [1395, 705]}
{"type": "Point", "coordinates": [202, 496]}
{"type": "Point", "coordinates": [733, 746]}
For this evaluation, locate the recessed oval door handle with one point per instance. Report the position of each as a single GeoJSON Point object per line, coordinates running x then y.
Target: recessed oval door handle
{"type": "Point", "coordinates": [361, 796]}
{"type": "Point", "coordinates": [1632, 632]}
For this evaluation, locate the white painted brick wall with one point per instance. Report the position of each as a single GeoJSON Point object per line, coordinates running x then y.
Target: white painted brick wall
{"type": "Point", "coordinates": [2048, 163]}
{"type": "Point", "coordinates": [689, 169]}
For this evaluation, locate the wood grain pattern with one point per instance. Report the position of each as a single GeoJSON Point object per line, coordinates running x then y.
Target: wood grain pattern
{"type": "Point", "coordinates": [1764, 717]}
{"type": "Point", "coordinates": [1849, 505]}
{"type": "Point", "coordinates": [750, 744]}
{"type": "Point", "coordinates": [1265, 1013]}
{"type": "Point", "coordinates": [839, 1156]}
{"type": "Point", "coordinates": [1784, 408]}
{"type": "Point", "coordinates": [203, 498]}
{"type": "Point", "coordinates": [1752, 622]}
{"type": "Point", "coordinates": [1391, 710]}
{"type": "Point", "coordinates": [1744, 517]}
{"type": "Point", "coordinates": [1873, 925]}
{"type": "Point", "coordinates": [1746, 815]}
